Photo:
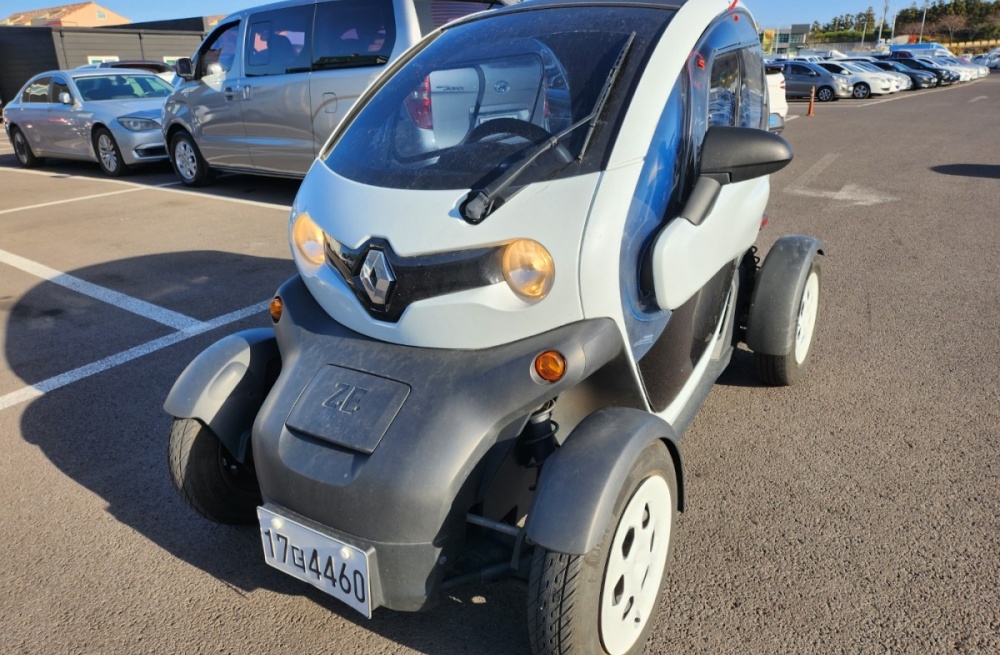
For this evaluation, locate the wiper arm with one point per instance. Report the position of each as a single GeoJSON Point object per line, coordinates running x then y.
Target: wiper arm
{"type": "Point", "coordinates": [480, 202]}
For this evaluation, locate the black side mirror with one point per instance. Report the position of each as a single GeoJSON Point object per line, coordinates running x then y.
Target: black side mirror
{"type": "Point", "coordinates": [184, 68]}
{"type": "Point", "coordinates": [730, 155]}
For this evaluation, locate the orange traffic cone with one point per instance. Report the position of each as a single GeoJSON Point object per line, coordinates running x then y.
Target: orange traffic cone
{"type": "Point", "coordinates": [812, 102]}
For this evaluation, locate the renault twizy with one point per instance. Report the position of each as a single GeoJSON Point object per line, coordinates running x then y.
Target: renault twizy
{"type": "Point", "coordinates": [523, 260]}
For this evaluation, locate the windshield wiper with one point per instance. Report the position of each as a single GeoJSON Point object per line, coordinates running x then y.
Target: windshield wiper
{"type": "Point", "coordinates": [481, 202]}
{"type": "Point", "coordinates": [349, 61]}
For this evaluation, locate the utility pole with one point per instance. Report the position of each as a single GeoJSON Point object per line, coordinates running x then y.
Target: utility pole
{"type": "Point", "coordinates": [885, 12]}
{"type": "Point", "coordinates": [864, 30]}
{"type": "Point", "coordinates": [921, 39]}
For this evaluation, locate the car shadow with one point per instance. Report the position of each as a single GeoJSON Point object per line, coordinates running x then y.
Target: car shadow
{"type": "Point", "coordinates": [741, 372]}
{"type": "Point", "coordinates": [108, 433]}
{"type": "Point", "coordinates": [990, 171]}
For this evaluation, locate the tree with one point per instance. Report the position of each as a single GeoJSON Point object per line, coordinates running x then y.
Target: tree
{"type": "Point", "coordinates": [951, 23]}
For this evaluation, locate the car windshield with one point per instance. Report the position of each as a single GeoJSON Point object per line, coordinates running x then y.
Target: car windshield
{"type": "Point", "coordinates": [122, 86]}
{"type": "Point", "coordinates": [836, 68]}
{"type": "Point", "coordinates": [480, 96]}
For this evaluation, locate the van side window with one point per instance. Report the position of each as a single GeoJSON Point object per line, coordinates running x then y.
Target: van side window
{"type": "Point", "coordinates": [724, 89]}
{"type": "Point", "coordinates": [445, 11]}
{"type": "Point", "coordinates": [37, 91]}
{"type": "Point", "coordinates": [218, 54]}
{"type": "Point", "coordinates": [353, 33]}
{"type": "Point", "coordinates": [278, 41]}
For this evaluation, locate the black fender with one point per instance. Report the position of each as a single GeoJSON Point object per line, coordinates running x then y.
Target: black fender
{"type": "Point", "coordinates": [774, 305]}
{"type": "Point", "coordinates": [582, 479]}
{"type": "Point", "coordinates": [225, 386]}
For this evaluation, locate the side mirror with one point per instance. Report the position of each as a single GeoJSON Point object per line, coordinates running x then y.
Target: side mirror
{"type": "Point", "coordinates": [184, 68]}
{"type": "Point", "coordinates": [65, 98]}
{"type": "Point", "coordinates": [730, 155]}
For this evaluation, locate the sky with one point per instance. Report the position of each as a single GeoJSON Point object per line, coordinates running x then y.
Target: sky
{"type": "Point", "coordinates": [768, 13]}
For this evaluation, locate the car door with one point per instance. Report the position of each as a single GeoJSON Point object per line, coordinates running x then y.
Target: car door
{"type": "Point", "coordinates": [353, 42]}
{"type": "Point", "coordinates": [213, 100]}
{"type": "Point", "coordinates": [67, 133]}
{"type": "Point", "coordinates": [798, 79]}
{"type": "Point", "coordinates": [30, 118]}
{"type": "Point", "coordinates": [277, 116]}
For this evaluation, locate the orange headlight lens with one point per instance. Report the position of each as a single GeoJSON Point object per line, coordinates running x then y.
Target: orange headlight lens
{"type": "Point", "coordinates": [308, 240]}
{"type": "Point", "coordinates": [276, 307]}
{"type": "Point", "coordinates": [528, 269]}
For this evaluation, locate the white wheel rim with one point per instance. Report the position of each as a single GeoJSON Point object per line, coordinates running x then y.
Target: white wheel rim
{"type": "Point", "coordinates": [635, 565]}
{"type": "Point", "coordinates": [806, 323]}
{"type": "Point", "coordinates": [186, 160]}
{"type": "Point", "coordinates": [106, 150]}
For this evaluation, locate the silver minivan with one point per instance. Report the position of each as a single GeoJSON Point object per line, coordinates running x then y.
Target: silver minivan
{"type": "Point", "coordinates": [267, 87]}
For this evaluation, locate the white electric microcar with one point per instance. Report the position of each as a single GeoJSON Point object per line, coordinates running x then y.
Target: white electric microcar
{"type": "Point", "coordinates": [523, 260]}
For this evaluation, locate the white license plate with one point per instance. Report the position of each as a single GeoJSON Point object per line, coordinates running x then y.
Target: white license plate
{"type": "Point", "coordinates": [339, 569]}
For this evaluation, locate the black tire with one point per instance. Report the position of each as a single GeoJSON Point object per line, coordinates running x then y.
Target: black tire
{"type": "Point", "coordinates": [572, 608]}
{"type": "Point", "coordinates": [109, 155]}
{"type": "Point", "coordinates": [208, 478]}
{"type": "Point", "coordinates": [861, 91]}
{"type": "Point", "coordinates": [825, 94]}
{"type": "Point", "coordinates": [22, 149]}
{"type": "Point", "coordinates": [187, 161]}
{"type": "Point", "coordinates": [787, 369]}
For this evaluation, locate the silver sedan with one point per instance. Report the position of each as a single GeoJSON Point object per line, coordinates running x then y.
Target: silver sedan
{"type": "Point", "coordinates": [111, 117]}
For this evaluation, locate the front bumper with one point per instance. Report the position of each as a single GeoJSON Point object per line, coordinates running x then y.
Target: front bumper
{"type": "Point", "coordinates": [382, 446]}
{"type": "Point", "coordinates": [137, 147]}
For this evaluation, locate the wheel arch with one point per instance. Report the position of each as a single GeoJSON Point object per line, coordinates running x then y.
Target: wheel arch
{"type": "Point", "coordinates": [581, 481]}
{"type": "Point", "coordinates": [225, 386]}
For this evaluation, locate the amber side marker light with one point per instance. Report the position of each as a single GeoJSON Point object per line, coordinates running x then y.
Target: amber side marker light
{"type": "Point", "coordinates": [550, 366]}
{"type": "Point", "coordinates": [276, 306]}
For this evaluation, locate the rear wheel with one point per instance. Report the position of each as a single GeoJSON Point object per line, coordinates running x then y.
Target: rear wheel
{"type": "Point", "coordinates": [109, 155]}
{"type": "Point", "coordinates": [605, 602]}
{"type": "Point", "coordinates": [207, 476]}
{"type": "Point", "coordinates": [787, 369]}
{"type": "Point", "coordinates": [22, 149]}
{"type": "Point", "coordinates": [188, 163]}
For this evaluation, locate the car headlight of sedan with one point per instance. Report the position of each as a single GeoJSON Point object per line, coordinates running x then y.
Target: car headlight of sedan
{"type": "Point", "coordinates": [136, 124]}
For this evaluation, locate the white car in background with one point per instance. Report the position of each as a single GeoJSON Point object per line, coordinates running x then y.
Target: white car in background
{"type": "Point", "coordinates": [865, 82]}
{"type": "Point", "coordinates": [776, 100]}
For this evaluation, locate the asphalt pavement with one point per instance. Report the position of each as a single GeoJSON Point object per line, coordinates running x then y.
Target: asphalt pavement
{"type": "Point", "coordinates": [858, 512]}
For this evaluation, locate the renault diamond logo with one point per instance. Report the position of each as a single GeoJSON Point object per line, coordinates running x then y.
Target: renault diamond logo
{"type": "Point", "coordinates": [376, 277]}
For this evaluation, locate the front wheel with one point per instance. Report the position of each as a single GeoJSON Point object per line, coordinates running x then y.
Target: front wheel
{"type": "Point", "coordinates": [207, 476]}
{"type": "Point", "coordinates": [862, 91]}
{"type": "Point", "coordinates": [605, 602]}
{"type": "Point", "coordinates": [109, 155]}
{"type": "Point", "coordinates": [824, 94]}
{"type": "Point", "coordinates": [787, 369]}
{"type": "Point", "coordinates": [188, 163]}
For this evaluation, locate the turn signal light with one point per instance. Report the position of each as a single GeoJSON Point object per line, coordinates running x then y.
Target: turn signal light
{"type": "Point", "coordinates": [276, 307]}
{"type": "Point", "coordinates": [550, 366]}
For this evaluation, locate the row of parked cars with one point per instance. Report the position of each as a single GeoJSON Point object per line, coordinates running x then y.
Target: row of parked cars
{"type": "Point", "coordinates": [261, 95]}
{"type": "Point", "coordinates": [861, 77]}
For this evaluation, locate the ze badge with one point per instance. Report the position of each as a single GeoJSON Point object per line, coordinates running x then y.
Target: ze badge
{"type": "Point", "coordinates": [346, 398]}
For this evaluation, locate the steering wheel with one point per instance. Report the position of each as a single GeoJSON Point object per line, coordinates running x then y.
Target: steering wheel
{"type": "Point", "coordinates": [516, 127]}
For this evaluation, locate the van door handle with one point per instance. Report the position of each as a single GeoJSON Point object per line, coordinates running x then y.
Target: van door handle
{"type": "Point", "coordinates": [248, 92]}
{"type": "Point", "coordinates": [228, 92]}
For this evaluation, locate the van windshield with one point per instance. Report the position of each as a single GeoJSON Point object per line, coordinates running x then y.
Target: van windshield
{"type": "Point", "coordinates": [479, 97]}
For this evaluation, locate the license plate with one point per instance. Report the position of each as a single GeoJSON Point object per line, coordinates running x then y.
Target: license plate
{"type": "Point", "coordinates": [328, 564]}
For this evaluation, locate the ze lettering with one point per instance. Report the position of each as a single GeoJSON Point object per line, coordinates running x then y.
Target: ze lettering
{"type": "Point", "coordinates": [345, 398]}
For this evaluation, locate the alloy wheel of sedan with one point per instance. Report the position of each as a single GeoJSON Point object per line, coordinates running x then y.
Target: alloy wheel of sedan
{"type": "Point", "coordinates": [106, 151]}
{"type": "Point", "coordinates": [186, 160]}
{"type": "Point", "coordinates": [825, 94]}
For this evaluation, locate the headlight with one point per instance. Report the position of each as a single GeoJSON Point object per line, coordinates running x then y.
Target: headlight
{"type": "Point", "coordinates": [138, 124]}
{"type": "Point", "coordinates": [308, 239]}
{"type": "Point", "coordinates": [528, 268]}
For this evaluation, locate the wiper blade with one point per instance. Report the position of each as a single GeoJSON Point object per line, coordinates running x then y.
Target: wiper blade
{"type": "Point", "coordinates": [481, 202]}
{"type": "Point", "coordinates": [349, 61]}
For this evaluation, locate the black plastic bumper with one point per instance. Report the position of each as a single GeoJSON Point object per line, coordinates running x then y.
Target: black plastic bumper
{"type": "Point", "coordinates": [382, 444]}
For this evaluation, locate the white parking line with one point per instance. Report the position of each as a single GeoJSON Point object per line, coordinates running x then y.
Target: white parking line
{"type": "Point", "coordinates": [77, 374]}
{"type": "Point", "coordinates": [924, 92]}
{"type": "Point", "coordinates": [63, 202]}
{"type": "Point", "coordinates": [119, 300]}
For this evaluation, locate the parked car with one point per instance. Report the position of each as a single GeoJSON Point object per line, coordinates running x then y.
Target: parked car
{"type": "Point", "coordinates": [484, 362]}
{"type": "Point", "coordinates": [111, 117]}
{"type": "Point", "coordinates": [801, 77]}
{"type": "Point", "coordinates": [269, 84]}
{"type": "Point", "coordinates": [964, 73]}
{"type": "Point", "coordinates": [900, 81]}
{"type": "Point", "coordinates": [944, 75]}
{"type": "Point", "coordinates": [164, 70]}
{"type": "Point", "coordinates": [921, 79]}
{"type": "Point", "coordinates": [777, 101]}
{"type": "Point", "coordinates": [865, 83]}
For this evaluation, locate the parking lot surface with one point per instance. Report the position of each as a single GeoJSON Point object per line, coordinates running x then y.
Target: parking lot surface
{"type": "Point", "coordinates": [857, 512]}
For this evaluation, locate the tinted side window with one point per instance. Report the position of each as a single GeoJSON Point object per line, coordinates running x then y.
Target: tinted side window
{"type": "Point", "coordinates": [37, 91]}
{"type": "Point", "coordinates": [353, 32]}
{"type": "Point", "coordinates": [723, 89]}
{"type": "Point", "coordinates": [219, 53]}
{"type": "Point", "coordinates": [278, 41]}
{"type": "Point", "coordinates": [445, 11]}
{"type": "Point", "coordinates": [59, 86]}
{"type": "Point", "coordinates": [753, 90]}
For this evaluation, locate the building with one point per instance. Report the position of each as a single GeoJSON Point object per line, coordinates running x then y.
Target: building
{"type": "Point", "coordinates": [81, 14]}
{"type": "Point", "coordinates": [786, 40]}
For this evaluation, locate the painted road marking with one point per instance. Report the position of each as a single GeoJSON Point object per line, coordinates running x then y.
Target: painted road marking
{"type": "Point", "coordinates": [119, 300]}
{"type": "Point", "coordinates": [978, 98]}
{"type": "Point", "coordinates": [849, 193]}
{"type": "Point", "coordinates": [41, 388]}
{"type": "Point", "coordinates": [921, 94]}
{"type": "Point", "coordinates": [67, 200]}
